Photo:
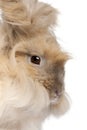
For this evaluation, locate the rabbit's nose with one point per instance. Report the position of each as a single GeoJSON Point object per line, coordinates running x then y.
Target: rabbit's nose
{"type": "Point", "coordinates": [58, 92]}
{"type": "Point", "coordinates": [55, 96]}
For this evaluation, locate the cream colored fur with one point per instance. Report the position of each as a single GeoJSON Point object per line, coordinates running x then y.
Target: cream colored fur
{"type": "Point", "coordinates": [24, 100]}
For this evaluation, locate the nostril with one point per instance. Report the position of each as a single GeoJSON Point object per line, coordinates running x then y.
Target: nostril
{"type": "Point", "coordinates": [56, 92]}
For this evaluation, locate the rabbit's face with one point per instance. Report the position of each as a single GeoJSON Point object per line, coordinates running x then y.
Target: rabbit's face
{"type": "Point", "coordinates": [43, 61]}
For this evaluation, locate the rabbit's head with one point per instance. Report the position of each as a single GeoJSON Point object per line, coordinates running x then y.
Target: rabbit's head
{"type": "Point", "coordinates": [44, 62]}
{"type": "Point", "coordinates": [31, 46]}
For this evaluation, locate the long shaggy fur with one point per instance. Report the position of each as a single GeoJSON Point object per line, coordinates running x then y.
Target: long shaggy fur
{"type": "Point", "coordinates": [29, 92]}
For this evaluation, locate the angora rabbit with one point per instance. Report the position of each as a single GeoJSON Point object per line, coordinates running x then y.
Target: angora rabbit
{"type": "Point", "coordinates": [31, 65]}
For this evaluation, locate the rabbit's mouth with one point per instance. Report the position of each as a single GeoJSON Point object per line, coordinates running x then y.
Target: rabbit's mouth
{"type": "Point", "coordinates": [57, 96]}
{"type": "Point", "coordinates": [54, 88]}
{"type": "Point", "coordinates": [53, 101]}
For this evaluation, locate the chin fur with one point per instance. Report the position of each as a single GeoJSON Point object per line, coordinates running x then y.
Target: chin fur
{"type": "Point", "coordinates": [21, 100]}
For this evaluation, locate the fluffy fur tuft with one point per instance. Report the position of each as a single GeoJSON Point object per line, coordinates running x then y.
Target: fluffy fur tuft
{"type": "Point", "coordinates": [28, 13]}
{"type": "Point", "coordinates": [26, 18]}
{"type": "Point", "coordinates": [31, 65]}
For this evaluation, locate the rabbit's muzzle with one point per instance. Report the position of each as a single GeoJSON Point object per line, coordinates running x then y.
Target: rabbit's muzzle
{"type": "Point", "coordinates": [54, 87]}
{"type": "Point", "coordinates": [54, 82]}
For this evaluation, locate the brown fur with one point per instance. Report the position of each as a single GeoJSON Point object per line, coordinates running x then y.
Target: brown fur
{"type": "Point", "coordinates": [29, 92]}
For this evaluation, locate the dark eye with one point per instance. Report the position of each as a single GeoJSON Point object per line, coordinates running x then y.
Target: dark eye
{"type": "Point", "coordinates": [35, 60]}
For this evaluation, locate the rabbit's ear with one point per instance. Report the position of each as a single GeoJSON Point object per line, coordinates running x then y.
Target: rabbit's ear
{"type": "Point", "coordinates": [14, 15]}
{"type": "Point", "coordinates": [30, 13]}
{"type": "Point", "coordinates": [26, 18]}
{"type": "Point", "coordinates": [14, 12]}
{"type": "Point", "coordinates": [42, 14]}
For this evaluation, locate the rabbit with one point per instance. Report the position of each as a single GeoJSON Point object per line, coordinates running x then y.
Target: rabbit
{"type": "Point", "coordinates": [32, 65]}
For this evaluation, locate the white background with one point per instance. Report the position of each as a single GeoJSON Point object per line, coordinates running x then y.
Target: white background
{"type": "Point", "coordinates": [72, 35]}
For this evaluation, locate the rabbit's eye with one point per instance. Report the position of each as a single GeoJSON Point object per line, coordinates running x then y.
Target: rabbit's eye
{"type": "Point", "coordinates": [35, 60]}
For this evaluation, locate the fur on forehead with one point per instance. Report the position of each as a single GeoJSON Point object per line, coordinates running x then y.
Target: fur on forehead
{"type": "Point", "coordinates": [43, 46]}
